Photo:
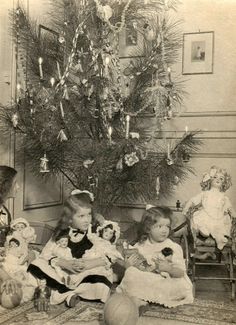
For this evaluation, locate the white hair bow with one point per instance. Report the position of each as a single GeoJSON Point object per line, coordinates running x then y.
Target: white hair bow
{"type": "Point", "coordinates": [77, 191]}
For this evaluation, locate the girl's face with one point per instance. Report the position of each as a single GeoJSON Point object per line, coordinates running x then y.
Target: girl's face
{"type": "Point", "coordinates": [63, 242]}
{"type": "Point", "coordinates": [82, 219]}
{"type": "Point", "coordinates": [20, 226]}
{"type": "Point", "coordinates": [14, 189]}
{"type": "Point", "coordinates": [218, 181]}
{"type": "Point", "coordinates": [108, 234]}
{"type": "Point", "coordinates": [160, 230]}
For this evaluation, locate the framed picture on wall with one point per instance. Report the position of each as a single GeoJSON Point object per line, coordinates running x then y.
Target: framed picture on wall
{"type": "Point", "coordinates": [198, 52]}
{"type": "Point", "coordinates": [131, 42]}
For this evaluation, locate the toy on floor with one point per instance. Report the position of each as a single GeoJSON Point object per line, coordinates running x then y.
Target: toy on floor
{"type": "Point", "coordinates": [214, 212]}
{"type": "Point", "coordinates": [120, 309]}
{"type": "Point", "coordinates": [12, 300]}
{"type": "Point", "coordinates": [41, 296]}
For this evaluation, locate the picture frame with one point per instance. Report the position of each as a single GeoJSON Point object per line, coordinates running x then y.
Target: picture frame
{"type": "Point", "coordinates": [131, 43]}
{"type": "Point", "coordinates": [198, 53]}
{"type": "Point", "coordinates": [34, 194]}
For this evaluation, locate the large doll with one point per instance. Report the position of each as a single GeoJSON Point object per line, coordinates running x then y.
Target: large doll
{"type": "Point", "coordinates": [214, 211]}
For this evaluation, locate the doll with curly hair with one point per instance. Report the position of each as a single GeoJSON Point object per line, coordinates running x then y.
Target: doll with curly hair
{"type": "Point", "coordinates": [213, 211]}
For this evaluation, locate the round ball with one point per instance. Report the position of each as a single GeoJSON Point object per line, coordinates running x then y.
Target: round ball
{"type": "Point", "coordinates": [11, 300]}
{"type": "Point", "coordinates": [120, 310]}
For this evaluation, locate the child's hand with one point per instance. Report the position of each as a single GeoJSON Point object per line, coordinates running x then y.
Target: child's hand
{"type": "Point", "coordinates": [133, 260]}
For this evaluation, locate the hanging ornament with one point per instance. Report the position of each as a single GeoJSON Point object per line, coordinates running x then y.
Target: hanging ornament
{"type": "Point", "coordinates": [15, 120]}
{"type": "Point", "coordinates": [176, 180]}
{"type": "Point", "coordinates": [119, 165]}
{"type": "Point", "coordinates": [169, 161]}
{"type": "Point", "coordinates": [52, 81]}
{"type": "Point", "coordinates": [65, 93]}
{"type": "Point", "coordinates": [62, 136]}
{"type": "Point", "coordinates": [44, 164]}
{"type": "Point", "coordinates": [90, 91]}
{"type": "Point", "coordinates": [79, 67]}
{"type": "Point", "coordinates": [149, 33]}
{"type": "Point", "coordinates": [131, 159]}
{"type": "Point", "coordinates": [88, 162]}
{"type": "Point", "coordinates": [40, 60]}
{"type": "Point", "coordinates": [104, 12]}
{"type": "Point", "coordinates": [62, 110]}
{"type": "Point", "coordinates": [61, 38]}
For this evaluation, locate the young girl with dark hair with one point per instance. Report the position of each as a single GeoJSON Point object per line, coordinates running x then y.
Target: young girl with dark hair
{"type": "Point", "coordinates": [75, 221]}
{"type": "Point", "coordinates": [146, 283]}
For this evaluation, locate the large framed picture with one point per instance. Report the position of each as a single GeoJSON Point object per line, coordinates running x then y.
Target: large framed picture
{"type": "Point", "coordinates": [198, 52]}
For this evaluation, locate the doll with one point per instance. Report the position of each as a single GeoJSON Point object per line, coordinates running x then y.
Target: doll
{"type": "Point", "coordinates": [166, 254]}
{"type": "Point", "coordinates": [105, 241]}
{"type": "Point", "coordinates": [14, 261]}
{"type": "Point", "coordinates": [61, 250]}
{"type": "Point", "coordinates": [41, 296]}
{"type": "Point", "coordinates": [213, 210]}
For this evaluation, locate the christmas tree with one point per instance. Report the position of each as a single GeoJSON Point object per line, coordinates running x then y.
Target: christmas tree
{"type": "Point", "coordinates": [79, 111]}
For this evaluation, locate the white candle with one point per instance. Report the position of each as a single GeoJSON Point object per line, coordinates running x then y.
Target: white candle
{"type": "Point", "coordinates": [58, 70]}
{"type": "Point", "coordinates": [40, 68]}
{"type": "Point", "coordinates": [109, 133]}
{"type": "Point", "coordinates": [62, 110]}
{"type": "Point", "coordinates": [127, 126]}
{"type": "Point", "coordinates": [186, 129]}
{"type": "Point", "coordinates": [18, 87]}
{"type": "Point", "coordinates": [169, 73]}
{"type": "Point", "coordinates": [168, 150]}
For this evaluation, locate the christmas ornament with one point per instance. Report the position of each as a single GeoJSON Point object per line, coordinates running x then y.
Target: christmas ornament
{"type": "Point", "coordinates": [78, 67]}
{"type": "Point", "coordinates": [169, 161]}
{"type": "Point", "coordinates": [131, 159]}
{"type": "Point", "coordinates": [149, 33]}
{"type": "Point", "coordinates": [15, 120]}
{"type": "Point", "coordinates": [62, 136]}
{"type": "Point", "coordinates": [134, 135]}
{"type": "Point", "coordinates": [176, 180]}
{"type": "Point", "coordinates": [109, 134]}
{"type": "Point", "coordinates": [61, 39]}
{"type": "Point", "coordinates": [52, 81]}
{"type": "Point", "coordinates": [62, 110]}
{"type": "Point", "coordinates": [158, 186]}
{"type": "Point", "coordinates": [44, 164]}
{"type": "Point", "coordinates": [119, 165]}
{"type": "Point", "coordinates": [186, 157]}
{"type": "Point", "coordinates": [104, 12]}
{"type": "Point", "coordinates": [88, 162]}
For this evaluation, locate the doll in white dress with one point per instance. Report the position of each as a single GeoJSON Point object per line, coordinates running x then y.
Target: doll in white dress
{"type": "Point", "coordinates": [214, 212]}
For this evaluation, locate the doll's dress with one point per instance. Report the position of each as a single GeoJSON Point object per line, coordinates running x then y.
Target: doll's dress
{"type": "Point", "coordinates": [152, 287]}
{"type": "Point", "coordinates": [65, 253]}
{"type": "Point", "coordinates": [213, 217]}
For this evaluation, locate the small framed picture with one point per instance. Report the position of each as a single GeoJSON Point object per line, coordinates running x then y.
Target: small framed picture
{"type": "Point", "coordinates": [131, 42]}
{"type": "Point", "coordinates": [198, 52]}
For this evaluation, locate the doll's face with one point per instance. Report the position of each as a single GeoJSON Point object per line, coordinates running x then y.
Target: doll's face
{"type": "Point", "coordinates": [63, 242]}
{"type": "Point", "coordinates": [20, 226]}
{"type": "Point", "coordinates": [160, 230]}
{"type": "Point", "coordinates": [12, 244]}
{"type": "Point", "coordinates": [217, 180]}
{"type": "Point", "coordinates": [108, 234]}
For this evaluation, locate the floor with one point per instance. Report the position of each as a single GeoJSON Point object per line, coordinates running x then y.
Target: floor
{"type": "Point", "coordinates": [207, 290]}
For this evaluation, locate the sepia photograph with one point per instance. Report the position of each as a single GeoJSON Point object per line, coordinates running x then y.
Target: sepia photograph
{"type": "Point", "coordinates": [117, 162]}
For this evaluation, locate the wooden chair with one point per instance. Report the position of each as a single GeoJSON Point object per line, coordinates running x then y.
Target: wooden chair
{"type": "Point", "coordinates": [223, 259]}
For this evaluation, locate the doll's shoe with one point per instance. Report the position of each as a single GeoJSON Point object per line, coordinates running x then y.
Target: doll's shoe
{"type": "Point", "coordinates": [73, 301]}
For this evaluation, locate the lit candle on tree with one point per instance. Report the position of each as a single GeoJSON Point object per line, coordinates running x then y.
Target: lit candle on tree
{"type": "Point", "coordinates": [40, 68]}
{"type": "Point", "coordinates": [186, 129]}
{"type": "Point", "coordinates": [168, 151]}
{"type": "Point", "coordinates": [109, 134]}
{"type": "Point", "coordinates": [18, 88]}
{"type": "Point", "coordinates": [58, 70]}
{"type": "Point", "coordinates": [52, 81]}
{"type": "Point", "coordinates": [127, 126]}
{"type": "Point", "coordinates": [169, 74]}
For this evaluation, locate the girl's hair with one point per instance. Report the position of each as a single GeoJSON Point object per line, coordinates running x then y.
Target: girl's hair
{"type": "Point", "coordinates": [150, 218]}
{"type": "Point", "coordinates": [101, 231]}
{"type": "Point", "coordinates": [208, 178]}
{"type": "Point", "coordinates": [71, 205]}
{"type": "Point", "coordinates": [62, 235]}
{"type": "Point", "coordinates": [7, 175]}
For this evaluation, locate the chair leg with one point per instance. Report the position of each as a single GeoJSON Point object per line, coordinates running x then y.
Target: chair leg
{"type": "Point", "coordinates": [231, 274]}
{"type": "Point", "coordinates": [194, 274]}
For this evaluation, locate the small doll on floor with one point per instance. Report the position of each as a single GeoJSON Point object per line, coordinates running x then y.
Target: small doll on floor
{"type": "Point", "coordinates": [14, 261]}
{"type": "Point", "coordinates": [214, 212]}
{"type": "Point", "coordinates": [42, 296]}
{"type": "Point", "coordinates": [61, 250]}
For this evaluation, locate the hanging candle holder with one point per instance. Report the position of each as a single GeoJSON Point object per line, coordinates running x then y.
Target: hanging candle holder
{"type": "Point", "coordinates": [44, 164]}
